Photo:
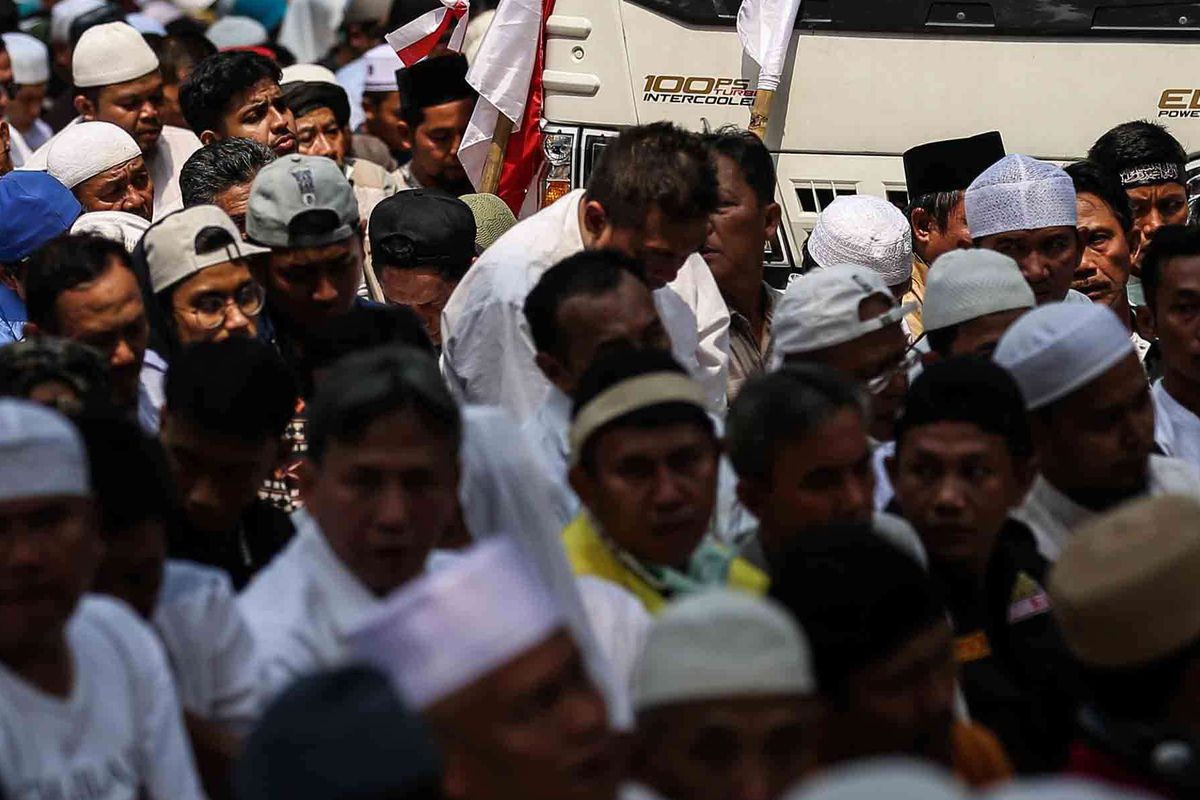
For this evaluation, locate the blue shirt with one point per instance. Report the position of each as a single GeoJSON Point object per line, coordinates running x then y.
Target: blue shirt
{"type": "Point", "coordinates": [12, 316]}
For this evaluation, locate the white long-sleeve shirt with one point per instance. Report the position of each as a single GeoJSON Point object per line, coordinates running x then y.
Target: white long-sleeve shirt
{"type": "Point", "coordinates": [488, 351]}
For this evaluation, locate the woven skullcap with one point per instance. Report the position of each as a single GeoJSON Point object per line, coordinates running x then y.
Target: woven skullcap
{"type": "Point", "coordinates": [1019, 193]}
{"type": "Point", "coordinates": [230, 32]}
{"type": "Point", "coordinates": [85, 150]}
{"type": "Point", "coordinates": [307, 73]}
{"type": "Point", "coordinates": [116, 226]}
{"type": "Point", "coordinates": [867, 231]}
{"type": "Point", "coordinates": [111, 53]}
{"type": "Point", "coordinates": [62, 14]}
{"type": "Point", "coordinates": [493, 218]}
{"type": "Point", "coordinates": [41, 454]}
{"type": "Point", "coordinates": [30, 58]}
{"type": "Point", "coordinates": [967, 284]}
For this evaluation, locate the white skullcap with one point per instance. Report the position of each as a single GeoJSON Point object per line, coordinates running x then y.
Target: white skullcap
{"type": "Point", "coordinates": [308, 73]}
{"type": "Point", "coordinates": [722, 644]}
{"type": "Point", "coordinates": [820, 310]}
{"type": "Point", "coordinates": [230, 32]}
{"type": "Point", "coordinates": [170, 245]}
{"type": "Point", "coordinates": [1019, 193]}
{"type": "Point", "coordinates": [382, 63]}
{"type": "Point", "coordinates": [1058, 789]}
{"type": "Point", "coordinates": [196, 5]}
{"type": "Point", "coordinates": [867, 231]}
{"type": "Point", "coordinates": [62, 14]}
{"type": "Point", "coordinates": [449, 629]}
{"type": "Point", "coordinates": [85, 150]}
{"type": "Point", "coordinates": [164, 12]}
{"type": "Point", "coordinates": [967, 284]}
{"type": "Point", "coordinates": [41, 454]}
{"type": "Point", "coordinates": [30, 58]}
{"type": "Point", "coordinates": [1059, 348]}
{"type": "Point", "coordinates": [116, 226]}
{"type": "Point", "coordinates": [111, 53]}
{"type": "Point", "coordinates": [893, 778]}
{"type": "Point", "coordinates": [144, 23]}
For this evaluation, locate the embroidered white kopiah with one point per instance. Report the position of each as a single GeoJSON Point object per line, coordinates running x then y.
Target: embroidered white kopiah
{"type": "Point", "coordinates": [765, 28]}
{"type": "Point", "coordinates": [1019, 193]}
{"type": "Point", "coordinates": [416, 40]}
{"type": "Point", "coordinates": [867, 231]}
{"type": "Point", "coordinates": [1146, 174]}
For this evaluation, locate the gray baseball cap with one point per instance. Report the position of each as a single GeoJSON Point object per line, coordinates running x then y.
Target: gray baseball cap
{"type": "Point", "coordinates": [182, 244]}
{"type": "Point", "coordinates": [301, 201]}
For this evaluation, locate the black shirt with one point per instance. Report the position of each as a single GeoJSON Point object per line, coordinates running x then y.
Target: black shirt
{"type": "Point", "coordinates": [261, 533]}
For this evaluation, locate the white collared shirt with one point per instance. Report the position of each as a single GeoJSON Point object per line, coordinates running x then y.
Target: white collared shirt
{"type": "Point", "coordinates": [1176, 429]}
{"type": "Point", "coordinates": [488, 352]}
{"type": "Point", "coordinates": [1053, 517]}
{"type": "Point", "coordinates": [209, 645]}
{"type": "Point", "coordinates": [302, 608]}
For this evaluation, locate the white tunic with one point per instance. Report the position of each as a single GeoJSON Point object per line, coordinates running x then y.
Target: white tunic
{"type": "Point", "coordinates": [118, 736]}
{"type": "Point", "coordinates": [302, 609]}
{"type": "Point", "coordinates": [1176, 429]}
{"type": "Point", "coordinates": [209, 645]}
{"type": "Point", "coordinates": [1052, 516]}
{"type": "Point", "coordinates": [488, 352]}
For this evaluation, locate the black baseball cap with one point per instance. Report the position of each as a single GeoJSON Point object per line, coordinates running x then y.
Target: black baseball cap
{"type": "Point", "coordinates": [423, 228]}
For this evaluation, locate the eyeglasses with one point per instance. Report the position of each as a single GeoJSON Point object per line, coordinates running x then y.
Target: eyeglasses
{"type": "Point", "coordinates": [211, 310]}
{"type": "Point", "coordinates": [910, 359]}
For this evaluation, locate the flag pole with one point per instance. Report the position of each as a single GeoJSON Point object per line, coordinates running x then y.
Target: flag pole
{"type": "Point", "coordinates": [760, 114]}
{"type": "Point", "coordinates": [489, 182]}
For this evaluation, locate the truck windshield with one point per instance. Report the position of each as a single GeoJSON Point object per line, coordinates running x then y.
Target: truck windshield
{"type": "Point", "coordinates": [1136, 18]}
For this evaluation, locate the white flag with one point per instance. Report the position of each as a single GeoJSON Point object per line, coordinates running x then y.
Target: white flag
{"type": "Point", "coordinates": [765, 28]}
{"type": "Point", "coordinates": [501, 72]}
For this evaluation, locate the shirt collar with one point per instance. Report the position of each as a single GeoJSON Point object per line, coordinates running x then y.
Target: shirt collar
{"type": "Point", "coordinates": [348, 600]}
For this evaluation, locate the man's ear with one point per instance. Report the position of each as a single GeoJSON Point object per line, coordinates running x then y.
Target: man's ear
{"type": "Point", "coordinates": [407, 134]}
{"type": "Point", "coordinates": [774, 215]}
{"type": "Point", "coordinates": [208, 137]}
{"type": "Point", "coordinates": [923, 225]}
{"type": "Point", "coordinates": [595, 220]}
{"type": "Point", "coordinates": [85, 107]}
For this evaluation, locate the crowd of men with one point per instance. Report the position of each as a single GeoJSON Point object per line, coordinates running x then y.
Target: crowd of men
{"type": "Point", "coordinates": [323, 476]}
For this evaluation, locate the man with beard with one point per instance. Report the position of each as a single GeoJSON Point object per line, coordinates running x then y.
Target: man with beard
{"type": "Point", "coordinates": [237, 94]}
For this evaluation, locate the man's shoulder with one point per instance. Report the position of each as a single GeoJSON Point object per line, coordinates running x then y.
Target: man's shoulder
{"type": "Point", "coordinates": [110, 624]}
{"type": "Point", "coordinates": [275, 595]}
{"type": "Point", "coordinates": [181, 137]}
{"type": "Point", "coordinates": [1173, 476]}
{"type": "Point", "coordinates": [186, 582]}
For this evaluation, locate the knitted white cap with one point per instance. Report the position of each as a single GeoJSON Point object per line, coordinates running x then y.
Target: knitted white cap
{"type": "Point", "coordinates": [116, 226]}
{"type": "Point", "coordinates": [30, 58]}
{"type": "Point", "coordinates": [967, 284]}
{"type": "Point", "coordinates": [867, 231]}
{"type": "Point", "coordinates": [1019, 193]}
{"type": "Point", "coordinates": [1059, 348]}
{"type": "Point", "coordinates": [85, 150]}
{"type": "Point", "coordinates": [111, 53]}
{"type": "Point", "coordinates": [382, 63]}
{"type": "Point", "coordinates": [722, 644]}
{"type": "Point", "coordinates": [820, 310]}
{"type": "Point", "coordinates": [307, 73]}
{"type": "Point", "coordinates": [63, 13]}
{"type": "Point", "coordinates": [229, 32]}
{"type": "Point", "coordinates": [449, 629]}
{"type": "Point", "coordinates": [41, 454]}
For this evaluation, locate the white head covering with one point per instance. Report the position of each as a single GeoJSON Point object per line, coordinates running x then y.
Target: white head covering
{"type": "Point", "coordinates": [307, 73]}
{"type": "Point", "coordinates": [144, 23]}
{"type": "Point", "coordinates": [1058, 789]}
{"type": "Point", "coordinates": [867, 231]}
{"type": "Point", "coordinates": [41, 454]}
{"type": "Point", "coordinates": [1059, 348]}
{"type": "Point", "coordinates": [820, 310]}
{"type": "Point", "coordinates": [382, 63]}
{"type": "Point", "coordinates": [875, 779]}
{"type": "Point", "coordinates": [967, 284]}
{"type": "Point", "coordinates": [449, 629]}
{"type": "Point", "coordinates": [111, 53]}
{"type": "Point", "coordinates": [164, 12]}
{"type": "Point", "coordinates": [229, 32]}
{"type": "Point", "coordinates": [310, 28]}
{"type": "Point", "coordinates": [116, 226]}
{"type": "Point", "coordinates": [62, 14]}
{"type": "Point", "coordinates": [85, 150]}
{"type": "Point", "coordinates": [1019, 193]}
{"type": "Point", "coordinates": [722, 644]}
{"type": "Point", "coordinates": [30, 58]}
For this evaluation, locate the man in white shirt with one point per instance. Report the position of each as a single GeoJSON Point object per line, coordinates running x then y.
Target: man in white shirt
{"type": "Point", "coordinates": [117, 80]}
{"type": "Point", "coordinates": [86, 697]}
{"type": "Point", "coordinates": [1171, 279]}
{"type": "Point", "coordinates": [380, 489]}
{"type": "Point", "coordinates": [649, 197]}
{"type": "Point", "coordinates": [1092, 418]}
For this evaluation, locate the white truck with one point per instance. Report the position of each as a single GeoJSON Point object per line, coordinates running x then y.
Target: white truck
{"type": "Point", "coordinates": [866, 80]}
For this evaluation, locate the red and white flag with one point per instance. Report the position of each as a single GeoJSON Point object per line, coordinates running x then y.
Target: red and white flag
{"type": "Point", "coordinates": [507, 72]}
{"type": "Point", "coordinates": [417, 39]}
{"type": "Point", "coordinates": [765, 28]}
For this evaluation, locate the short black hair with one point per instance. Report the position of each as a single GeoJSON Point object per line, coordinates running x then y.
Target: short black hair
{"type": "Point", "coordinates": [1136, 143]}
{"type": "Point", "coordinates": [659, 165]}
{"type": "Point", "coordinates": [857, 597]}
{"type": "Point", "coordinates": [63, 264]}
{"type": "Point", "coordinates": [363, 328]}
{"type": "Point", "coordinates": [26, 365]}
{"type": "Point", "coordinates": [1092, 177]}
{"type": "Point", "coordinates": [367, 386]}
{"type": "Point", "coordinates": [751, 156]}
{"type": "Point", "coordinates": [938, 205]}
{"type": "Point", "coordinates": [205, 95]}
{"type": "Point", "coordinates": [238, 387]}
{"type": "Point", "coordinates": [778, 408]}
{"type": "Point", "coordinates": [942, 340]}
{"type": "Point", "coordinates": [130, 476]}
{"type": "Point", "coordinates": [1169, 241]}
{"type": "Point", "coordinates": [179, 53]}
{"type": "Point", "coordinates": [216, 167]}
{"type": "Point", "coordinates": [621, 364]}
{"type": "Point", "coordinates": [588, 273]}
{"type": "Point", "coordinates": [968, 389]}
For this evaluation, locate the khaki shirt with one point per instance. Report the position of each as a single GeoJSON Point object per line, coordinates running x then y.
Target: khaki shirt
{"type": "Point", "coordinates": [920, 273]}
{"type": "Point", "coordinates": [747, 355]}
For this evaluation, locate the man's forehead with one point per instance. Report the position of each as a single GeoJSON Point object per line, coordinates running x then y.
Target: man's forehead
{"type": "Point", "coordinates": [265, 90]}
{"type": "Point", "coordinates": [143, 85]}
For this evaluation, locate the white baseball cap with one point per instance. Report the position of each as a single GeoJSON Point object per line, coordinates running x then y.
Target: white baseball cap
{"type": "Point", "coordinates": [821, 310]}
{"type": "Point", "coordinates": [967, 284]}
